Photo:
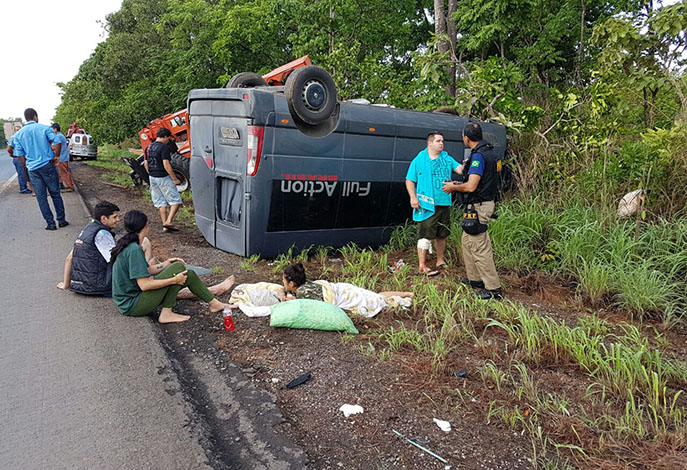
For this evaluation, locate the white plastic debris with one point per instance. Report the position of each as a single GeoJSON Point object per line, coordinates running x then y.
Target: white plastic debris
{"type": "Point", "coordinates": [443, 425]}
{"type": "Point", "coordinates": [275, 380]}
{"type": "Point", "coordinates": [253, 311]}
{"type": "Point", "coordinates": [630, 203]}
{"type": "Point", "coordinates": [397, 266]}
{"type": "Point", "coordinates": [349, 410]}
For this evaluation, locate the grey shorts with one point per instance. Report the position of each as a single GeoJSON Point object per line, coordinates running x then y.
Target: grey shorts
{"type": "Point", "coordinates": [164, 192]}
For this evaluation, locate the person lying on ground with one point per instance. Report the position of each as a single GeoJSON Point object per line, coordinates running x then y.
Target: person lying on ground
{"type": "Point", "coordinates": [138, 289]}
{"type": "Point", "coordinates": [87, 268]}
{"type": "Point", "coordinates": [346, 296]}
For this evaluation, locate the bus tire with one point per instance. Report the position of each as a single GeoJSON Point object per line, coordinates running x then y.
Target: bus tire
{"type": "Point", "coordinates": [311, 94]}
{"type": "Point", "coordinates": [181, 167]}
{"type": "Point", "coordinates": [245, 80]}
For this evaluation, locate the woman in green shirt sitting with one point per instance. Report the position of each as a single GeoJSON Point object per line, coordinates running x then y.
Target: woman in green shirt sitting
{"type": "Point", "coordinates": [138, 289]}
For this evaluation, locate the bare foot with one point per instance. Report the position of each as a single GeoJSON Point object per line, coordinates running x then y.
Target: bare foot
{"type": "Point", "coordinates": [223, 287]}
{"type": "Point", "coordinates": [60, 285]}
{"type": "Point", "coordinates": [216, 306]}
{"type": "Point", "coordinates": [171, 317]}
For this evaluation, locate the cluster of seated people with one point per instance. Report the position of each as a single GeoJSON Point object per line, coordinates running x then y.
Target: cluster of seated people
{"type": "Point", "coordinates": [139, 284]}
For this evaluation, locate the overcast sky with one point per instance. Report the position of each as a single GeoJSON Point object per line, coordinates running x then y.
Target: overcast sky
{"type": "Point", "coordinates": [45, 42]}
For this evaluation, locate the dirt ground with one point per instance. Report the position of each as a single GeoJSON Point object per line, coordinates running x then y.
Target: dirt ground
{"type": "Point", "coordinates": [397, 393]}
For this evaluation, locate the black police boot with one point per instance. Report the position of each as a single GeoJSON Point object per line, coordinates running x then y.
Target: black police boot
{"type": "Point", "coordinates": [486, 294]}
{"type": "Point", "coordinates": [473, 284]}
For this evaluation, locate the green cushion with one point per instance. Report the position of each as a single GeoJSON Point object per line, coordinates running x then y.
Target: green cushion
{"type": "Point", "coordinates": [311, 315]}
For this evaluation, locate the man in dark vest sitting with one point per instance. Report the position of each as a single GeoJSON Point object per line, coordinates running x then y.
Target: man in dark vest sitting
{"type": "Point", "coordinates": [87, 269]}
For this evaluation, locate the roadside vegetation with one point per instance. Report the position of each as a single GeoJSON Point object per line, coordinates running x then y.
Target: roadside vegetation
{"type": "Point", "coordinates": [601, 381]}
{"type": "Point", "coordinates": [117, 173]}
{"type": "Point", "coordinates": [595, 102]}
{"type": "Point", "coordinates": [110, 159]}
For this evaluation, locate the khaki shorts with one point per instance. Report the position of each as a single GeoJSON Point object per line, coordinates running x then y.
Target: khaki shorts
{"type": "Point", "coordinates": [437, 226]}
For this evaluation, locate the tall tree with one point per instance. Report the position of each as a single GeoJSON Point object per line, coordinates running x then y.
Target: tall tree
{"type": "Point", "coordinates": [445, 32]}
{"type": "Point", "coordinates": [649, 48]}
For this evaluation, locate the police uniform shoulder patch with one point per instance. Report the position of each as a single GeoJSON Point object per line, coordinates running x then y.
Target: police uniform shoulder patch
{"type": "Point", "coordinates": [475, 163]}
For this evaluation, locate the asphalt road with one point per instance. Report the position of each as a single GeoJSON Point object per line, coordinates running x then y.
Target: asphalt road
{"type": "Point", "coordinates": [80, 385]}
{"type": "Point", "coordinates": [6, 168]}
{"type": "Point", "coordinates": [83, 387]}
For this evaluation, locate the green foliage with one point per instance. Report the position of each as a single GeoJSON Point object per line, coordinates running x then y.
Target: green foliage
{"type": "Point", "coordinates": [157, 51]}
{"type": "Point", "coordinates": [494, 81]}
{"type": "Point", "coordinates": [644, 51]}
{"type": "Point", "coordinates": [124, 84]}
{"type": "Point", "coordinates": [110, 160]}
{"type": "Point", "coordinates": [218, 270]}
{"type": "Point", "coordinates": [248, 264]}
{"type": "Point", "coordinates": [640, 267]}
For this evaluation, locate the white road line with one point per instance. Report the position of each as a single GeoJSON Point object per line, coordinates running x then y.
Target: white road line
{"type": "Point", "coordinates": [8, 182]}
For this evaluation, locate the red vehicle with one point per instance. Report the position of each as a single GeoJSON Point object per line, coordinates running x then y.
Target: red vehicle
{"type": "Point", "coordinates": [179, 147]}
{"type": "Point", "coordinates": [308, 104]}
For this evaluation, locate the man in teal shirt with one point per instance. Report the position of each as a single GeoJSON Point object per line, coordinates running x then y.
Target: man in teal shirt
{"type": "Point", "coordinates": [63, 163]}
{"type": "Point", "coordinates": [431, 206]}
{"type": "Point", "coordinates": [33, 143]}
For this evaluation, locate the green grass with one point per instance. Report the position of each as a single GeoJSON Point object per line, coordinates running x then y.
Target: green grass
{"type": "Point", "coordinates": [109, 159]}
{"type": "Point", "coordinates": [641, 268]}
{"type": "Point", "coordinates": [400, 337]}
{"type": "Point", "coordinates": [629, 390]}
{"type": "Point", "coordinates": [248, 264]}
{"type": "Point", "coordinates": [282, 261]}
{"type": "Point", "coordinates": [621, 366]}
{"type": "Point", "coordinates": [218, 270]}
{"type": "Point", "coordinates": [491, 374]}
{"type": "Point", "coordinates": [643, 289]}
{"type": "Point", "coordinates": [595, 281]}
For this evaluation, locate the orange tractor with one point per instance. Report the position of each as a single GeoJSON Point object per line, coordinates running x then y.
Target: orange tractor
{"type": "Point", "coordinates": [179, 148]}
{"type": "Point", "coordinates": [311, 96]}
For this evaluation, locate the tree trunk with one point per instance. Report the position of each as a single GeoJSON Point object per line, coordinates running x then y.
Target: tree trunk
{"type": "Point", "coordinates": [445, 26]}
{"type": "Point", "coordinates": [440, 23]}
{"type": "Point", "coordinates": [580, 52]}
{"type": "Point", "coordinates": [451, 30]}
{"type": "Point", "coordinates": [645, 104]}
{"type": "Point", "coordinates": [652, 109]}
{"type": "Point", "coordinates": [332, 15]}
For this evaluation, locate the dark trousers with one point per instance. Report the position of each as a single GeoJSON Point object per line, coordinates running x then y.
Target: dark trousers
{"type": "Point", "coordinates": [22, 175]}
{"type": "Point", "coordinates": [45, 180]}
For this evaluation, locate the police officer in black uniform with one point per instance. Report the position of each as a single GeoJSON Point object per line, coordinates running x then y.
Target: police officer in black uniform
{"type": "Point", "coordinates": [479, 187]}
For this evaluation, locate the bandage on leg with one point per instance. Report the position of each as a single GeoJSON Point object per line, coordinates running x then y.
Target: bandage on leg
{"type": "Point", "coordinates": [425, 244]}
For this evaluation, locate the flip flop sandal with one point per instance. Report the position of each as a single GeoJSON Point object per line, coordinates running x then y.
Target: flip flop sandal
{"type": "Point", "coordinates": [428, 273]}
{"type": "Point", "coordinates": [169, 228]}
{"type": "Point", "coordinates": [299, 380]}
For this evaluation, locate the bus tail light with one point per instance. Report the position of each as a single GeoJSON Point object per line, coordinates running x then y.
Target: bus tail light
{"type": "Point", "coordinates": [254, 149]}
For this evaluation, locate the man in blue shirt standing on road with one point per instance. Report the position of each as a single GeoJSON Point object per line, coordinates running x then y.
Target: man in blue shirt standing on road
{"type": "Point", "coordinates": [33, 143]}
{"type": "Point", "coordinates": [63, 163]}
{"type": "Point", "coordinates": [22, 175]}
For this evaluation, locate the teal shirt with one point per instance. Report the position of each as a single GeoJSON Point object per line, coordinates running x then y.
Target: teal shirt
{"type": "Point", "coordinates": [130, 265]}
{"type": "Point", "coordinates": [33, 142]}
{"type": "Point", "coordinates": [429, 176]}
{"type": "Point", "coordinates": [64, 152]}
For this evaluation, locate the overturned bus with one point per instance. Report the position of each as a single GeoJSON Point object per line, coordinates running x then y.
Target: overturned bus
{"type": "Point", "coordinates": [264, 181]}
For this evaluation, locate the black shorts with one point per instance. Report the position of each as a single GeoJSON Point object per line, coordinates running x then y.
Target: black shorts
{"type": "Point", "coordinates": [437, 226]}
